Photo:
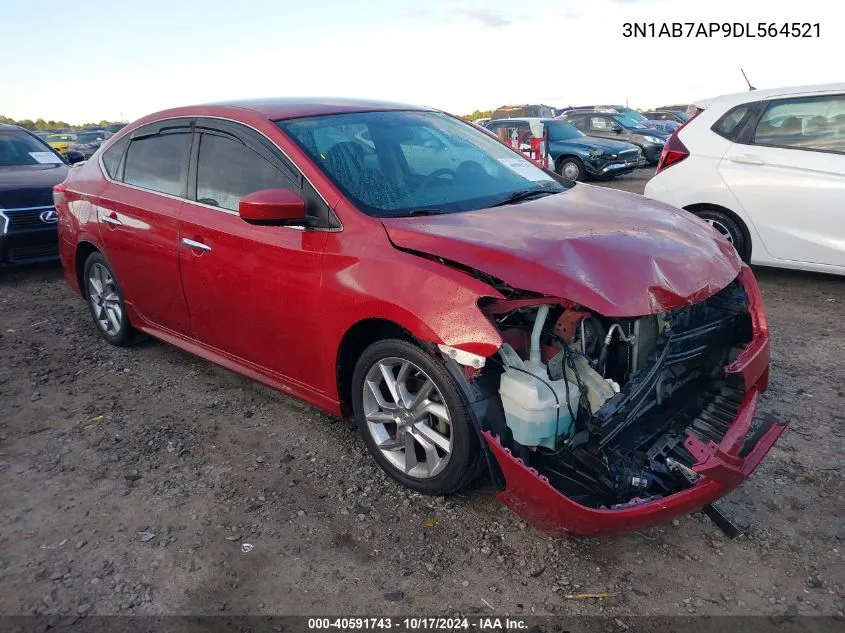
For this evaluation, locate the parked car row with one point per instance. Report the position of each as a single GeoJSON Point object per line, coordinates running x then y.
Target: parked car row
{"type": "Point", "coordinates": [625, 116]}
{"type": "Point", "coordinates": [572, 154]}
{"type": "Point", "coordinates": [587, 141]}
{"type": "Point", "coordinates": [623, 126]}
{"type": "Point", "coordinates": [86, 141]}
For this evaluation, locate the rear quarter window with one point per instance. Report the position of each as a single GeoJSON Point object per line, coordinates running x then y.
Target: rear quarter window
{"type": "Point", "coordinates": [158, 162]}
{"type": "Point", "coordinates": [730, 124]}
{"type": "Point", "coordinates": [112, 156]}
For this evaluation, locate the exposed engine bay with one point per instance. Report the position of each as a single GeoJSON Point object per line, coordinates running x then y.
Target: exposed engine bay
{"type": "Point", "coordinates": [602, 406]}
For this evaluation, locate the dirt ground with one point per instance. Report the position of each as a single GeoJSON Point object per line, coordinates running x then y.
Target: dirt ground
{"type": "Point", "coordinates": [133, 480]}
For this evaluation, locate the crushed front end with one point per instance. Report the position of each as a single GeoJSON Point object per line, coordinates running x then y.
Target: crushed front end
{"type": "Point", "coordinates": [599, 425]}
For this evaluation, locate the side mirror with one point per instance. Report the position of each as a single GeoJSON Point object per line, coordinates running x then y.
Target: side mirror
{"type": "Point", "coordinates": [616, 128]}
{"type": "Point", "coordinates": [274, 207]}
{"type": "Point", "coordinates": [74, 157]}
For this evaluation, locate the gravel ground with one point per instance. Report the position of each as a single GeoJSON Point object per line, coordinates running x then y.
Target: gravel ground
{"type": "Point", "coordinates": [133, 481]}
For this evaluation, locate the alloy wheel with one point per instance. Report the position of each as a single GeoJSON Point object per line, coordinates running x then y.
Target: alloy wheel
{"type": "Point", "coordinates": [723, 230]}
{"type": "Point", "coordinates": [105, 300]}
{"type": "Point", "coordinates": [407, 417]}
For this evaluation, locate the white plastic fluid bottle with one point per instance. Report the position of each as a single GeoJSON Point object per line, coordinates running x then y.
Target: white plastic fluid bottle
{"type": "Point", "coordinates": [535, 407]}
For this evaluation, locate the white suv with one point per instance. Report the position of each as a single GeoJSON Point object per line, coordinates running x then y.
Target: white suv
{"type": "Point", "coordinates": [767, 170]}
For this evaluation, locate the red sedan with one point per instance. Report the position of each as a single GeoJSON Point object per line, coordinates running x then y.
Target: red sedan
{"type": "Point", "coordinates": [602, 355]}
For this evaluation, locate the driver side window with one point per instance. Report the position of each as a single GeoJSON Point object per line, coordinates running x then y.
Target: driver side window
{"type": "Point", "coordinates": [227, 170]}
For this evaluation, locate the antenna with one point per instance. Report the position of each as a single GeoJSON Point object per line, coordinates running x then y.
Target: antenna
{"type": "Point", "coordinates": [750, 87]}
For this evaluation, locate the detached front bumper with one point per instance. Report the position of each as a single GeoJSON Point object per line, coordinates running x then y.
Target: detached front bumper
{"type": "Point", "coordinates": [720, 467]}
{"type": "Point", "coordinates": [612, 169]}
{"type": "Point", "coordinates": [620, 168]}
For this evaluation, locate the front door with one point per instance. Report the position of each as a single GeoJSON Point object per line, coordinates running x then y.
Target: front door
{"type": "Point", "coordinates": [253, 291]}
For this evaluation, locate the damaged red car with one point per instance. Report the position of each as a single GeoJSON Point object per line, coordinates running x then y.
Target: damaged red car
{"type": "Point", "coordinates": [600, 354]}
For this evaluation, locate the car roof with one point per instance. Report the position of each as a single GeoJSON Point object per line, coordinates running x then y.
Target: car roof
{"type": "Point", "coordinates": [297, 107]}
{"type": "Point", "coordinates": [728, 101]}
{"type": "Point", "coordinates": [274, 109]}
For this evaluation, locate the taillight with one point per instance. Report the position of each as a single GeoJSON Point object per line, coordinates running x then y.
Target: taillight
{"type": "Point", "coordinates": [674, 151]}
{"type": "Point", "coordinates": [59, 195]}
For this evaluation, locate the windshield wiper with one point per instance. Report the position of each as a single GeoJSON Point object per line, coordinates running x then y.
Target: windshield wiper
{"type": "Point", "coordinates": [426, 212]}
{"type": "Point", "coordinates": [519, 196]}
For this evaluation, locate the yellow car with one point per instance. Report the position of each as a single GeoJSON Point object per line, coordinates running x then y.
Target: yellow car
{"type": "Point", "coordinates": [60, 142]}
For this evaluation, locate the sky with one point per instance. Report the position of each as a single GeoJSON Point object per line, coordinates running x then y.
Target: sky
{"type": "Point", "coordinates": [89, 60]}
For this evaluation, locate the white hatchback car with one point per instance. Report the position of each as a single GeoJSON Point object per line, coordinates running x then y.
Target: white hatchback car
{"type": "Point", "coordinates": [767, 170]}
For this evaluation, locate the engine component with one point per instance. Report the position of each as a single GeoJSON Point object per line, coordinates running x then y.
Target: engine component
{"type": "Point", "coordinates": [537, 408]}
{"type": "Point", "coordinates": [599, 390]}
{"type": "Point", "coordinates": [559, 388]}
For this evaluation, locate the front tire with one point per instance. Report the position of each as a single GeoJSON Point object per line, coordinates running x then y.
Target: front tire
{"type": "Point", "coordinates": [105, 301]}
{"type": "Point", "coordinates": [729, 228]}
{"type": "Point", "coordinates": [571, 168]}
{"type": "Point", "coordinates": [413, 418]}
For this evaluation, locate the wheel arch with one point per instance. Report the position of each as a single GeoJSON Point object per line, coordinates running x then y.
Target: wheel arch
{"type": "Point", "coordinates": [356, 339]}
{"type": "Point", "coordinates": [564, 156]}
{"type": "Point", "coordinates": [709, 206]}
{"type": "Point", "coordinates": [83, 252]}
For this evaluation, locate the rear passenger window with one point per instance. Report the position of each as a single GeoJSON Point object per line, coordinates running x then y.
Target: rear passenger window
{"type": "Point", "coordinates": [729, 125]}
{"type": "Point", "coordinates": [158, 162]}
{"type": "Point", "coordinates": [112, 156]}
{"type": "Point", "coordinates": [816, 123]}
{"type": "Point", "coordinates": [227, 170]}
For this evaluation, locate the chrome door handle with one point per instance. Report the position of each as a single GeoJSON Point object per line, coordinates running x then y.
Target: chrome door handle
{"type": "Point", "coordinates": [112, 221]}
{"type": "Point", "coordinates": [199, 246]}
{"type": "Point", "coordinates": [748, 159]}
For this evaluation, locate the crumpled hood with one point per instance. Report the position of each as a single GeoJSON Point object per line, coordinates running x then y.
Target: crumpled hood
{"type": "Point", "coordinates": [619, 254]}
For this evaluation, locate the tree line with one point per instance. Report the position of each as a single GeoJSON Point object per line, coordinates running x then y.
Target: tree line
{"type": "Point", "coordinates": [41, 124]}
{"type": "Point", "coordinates": [478, 114]}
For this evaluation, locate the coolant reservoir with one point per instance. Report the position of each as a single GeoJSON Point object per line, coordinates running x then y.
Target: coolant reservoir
{"type": "Point", "coordinates": [531, 405]}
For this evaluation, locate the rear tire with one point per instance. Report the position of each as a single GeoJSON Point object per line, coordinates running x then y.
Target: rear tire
{"type": "Point", "coordinates": [571, 168]}
{"type": "Point", "coordinates": [426, 442]}
{"type": "Point", "coordinates": [105, 301]}
{"type": "Point", "coordinates": [729, 228]}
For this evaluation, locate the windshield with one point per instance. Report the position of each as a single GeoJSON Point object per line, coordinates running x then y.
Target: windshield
{"type": "Point", "coordinates": [628, 120]}
{"type": "Point", "coordinates": [19, 148]}
{"type": "Point", "coordinates": [683, 116]}
{"type": "Point", "coordinates": [392, 164]}
{"type": "Point", "coordinates": [561, 130]}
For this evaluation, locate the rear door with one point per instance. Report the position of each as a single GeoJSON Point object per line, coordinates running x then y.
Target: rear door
{"type": "Point", "coordinates": [138, 213]}
{"type": "Point", "coordinates": [253, 291]}
{"type": "Point", "coordinates": [789, 176]}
